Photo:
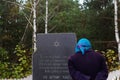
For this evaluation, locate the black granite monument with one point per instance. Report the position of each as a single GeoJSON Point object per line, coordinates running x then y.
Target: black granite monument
{"type": "Point", "coordinates": [50, 59]}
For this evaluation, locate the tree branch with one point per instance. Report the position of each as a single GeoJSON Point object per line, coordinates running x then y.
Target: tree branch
{"type": "Point", "coordinates": [17, 4]}
{"type": "Point", "coordinates": [26, 26]}
{"type": "Point", "coordinates": [52, 28]}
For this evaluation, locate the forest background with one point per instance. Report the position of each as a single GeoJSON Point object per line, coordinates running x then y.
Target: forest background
{"type": "Point", "coordinates": [94, 19]}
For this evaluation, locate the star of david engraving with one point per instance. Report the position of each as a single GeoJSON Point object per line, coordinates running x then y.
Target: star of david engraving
{"type": "Point", "coordinates": [56, 44]}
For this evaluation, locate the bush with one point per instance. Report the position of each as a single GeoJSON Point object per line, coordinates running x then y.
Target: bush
{"type": "Point", "coordinates": [111, 59]}
{"type": "Point", "coordinates": [4, 63]}
{"type": "Point", "coordinates": [21, 67]}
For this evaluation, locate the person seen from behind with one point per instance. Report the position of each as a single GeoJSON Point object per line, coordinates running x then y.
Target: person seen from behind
{"type": "Point", "coordinates": [86, 64]}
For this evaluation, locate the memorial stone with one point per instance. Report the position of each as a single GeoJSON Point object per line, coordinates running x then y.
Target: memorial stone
{"type": "Point", "coordinates": [49, 62]}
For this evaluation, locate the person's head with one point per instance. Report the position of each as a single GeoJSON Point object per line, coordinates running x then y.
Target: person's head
{"type": "Point", "coordinates": [83, 45]}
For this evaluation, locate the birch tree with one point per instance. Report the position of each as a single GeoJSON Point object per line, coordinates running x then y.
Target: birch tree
{"type": "Point", "coordinates": [34, 25]}
{"type": "Point", "coordinates": [116, 26]}
{"type": "Point", "coordinates": [46, 19]}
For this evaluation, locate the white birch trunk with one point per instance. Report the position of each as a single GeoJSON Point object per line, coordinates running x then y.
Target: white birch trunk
{"type": "Point", "coordinates": [34, 26]}
{"type": "Point", "coordinates": [116, 27]}
{"type": "Point", "coordinates": [46, 18]}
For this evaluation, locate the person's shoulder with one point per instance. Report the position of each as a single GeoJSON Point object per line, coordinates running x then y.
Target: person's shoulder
{"type": "Point", "coordinates": [99, 54]}
{"type": "Point", "coordinates": [72, 56]}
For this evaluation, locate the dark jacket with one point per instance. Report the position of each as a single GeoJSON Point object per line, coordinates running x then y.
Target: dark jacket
{"type": "Point", "coordinates": [90, 66]}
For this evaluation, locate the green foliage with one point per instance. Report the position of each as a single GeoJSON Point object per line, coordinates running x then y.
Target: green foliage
{"type": "Point", "coordinates": [99, 20]}
{"type": "Point", "coordinates": [4, 63]}
{"type": "Point", "coordinates": [3, 54]}
{"type": "Point", "coordinates": [63, 16]}
{"type": "Point", "coordinates": [21, 67]}
{"type": "Point", "coordinates": [12, 25]}
{"type": "Point", "coordinates": [111, 59]}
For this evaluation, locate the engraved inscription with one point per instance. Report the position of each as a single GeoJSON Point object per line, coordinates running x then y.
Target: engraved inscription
{"type": "Point", "coordinates": [53, 66]}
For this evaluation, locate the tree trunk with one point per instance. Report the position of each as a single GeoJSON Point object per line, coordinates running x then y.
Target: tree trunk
{"type": "Point", "coordinates": [34, 26]}
{"type": "Point", "coordinates": [46, 18]}
{"type": "Point", "coordinates": [116, 27]}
